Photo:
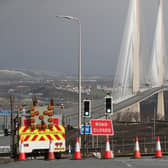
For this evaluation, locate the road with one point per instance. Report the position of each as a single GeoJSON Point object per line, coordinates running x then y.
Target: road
{"type": "Point", "coordinates": [147, 162]}
{"type": "Point", "coordinates": [139, 97]}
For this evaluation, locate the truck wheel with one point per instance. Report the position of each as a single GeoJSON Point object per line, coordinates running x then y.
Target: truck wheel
{"type": "Point", "coordinates": [57, 155]}
{"type": "Point", "coordinates": [45, 156]}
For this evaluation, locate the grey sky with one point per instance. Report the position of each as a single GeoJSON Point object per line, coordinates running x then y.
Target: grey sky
{"type": "Point", "coordinates": [31, 37]}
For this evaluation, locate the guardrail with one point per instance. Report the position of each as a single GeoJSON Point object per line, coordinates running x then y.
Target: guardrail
{"type": "Point", "coordinates": [4, 150]}
{"type": "Point", "coordinates": [4, 122]}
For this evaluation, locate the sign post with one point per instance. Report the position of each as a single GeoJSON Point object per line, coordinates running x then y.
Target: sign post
{"type": "Point", "coordinates": [87, 111]}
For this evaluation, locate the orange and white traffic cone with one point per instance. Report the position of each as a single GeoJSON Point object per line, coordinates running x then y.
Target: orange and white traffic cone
{"type": "Point", "coordinates": [77, 154]}
{"type": "Point", "coordinates": [51, 155]}
{"type": "Point", "coordinates": [22, 155]}
{"type": "Point", "coordinates": [158, 152]}
{"type": "Point", "coordinates": [137, 153]}
{"type": "Point", "coordinates": [107, 154]}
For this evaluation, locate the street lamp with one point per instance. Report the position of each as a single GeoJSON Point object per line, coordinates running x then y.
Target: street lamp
{"type": "Point", "coordinates": [79, 64]}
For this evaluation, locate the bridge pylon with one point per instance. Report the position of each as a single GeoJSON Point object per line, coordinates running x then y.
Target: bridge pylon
{"type": "Point", "coordinates": [128, 72]}
{"type": "Point", "coordinates": [160, 106]}
{"type": "Point", "coordinates": [159, 46]}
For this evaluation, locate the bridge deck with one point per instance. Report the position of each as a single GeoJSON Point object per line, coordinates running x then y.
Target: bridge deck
{"type": "Point", "coordinates": [141, 96]}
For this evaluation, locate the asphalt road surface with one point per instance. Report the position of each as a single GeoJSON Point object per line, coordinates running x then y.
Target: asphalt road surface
{"type": "Point", "coordinates": [146, 162]}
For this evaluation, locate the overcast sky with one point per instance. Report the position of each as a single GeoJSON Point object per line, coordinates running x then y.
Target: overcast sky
{"type": "Point", "coordinates": [32, 38]}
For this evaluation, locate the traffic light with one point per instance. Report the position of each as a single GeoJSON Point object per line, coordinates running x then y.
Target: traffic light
{"type": "Point", "coordinates": [109, 106]}
{"type": "Point", "coordinates": [87, 108]}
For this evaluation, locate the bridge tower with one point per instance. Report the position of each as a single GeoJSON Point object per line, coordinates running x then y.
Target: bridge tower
{"type": "Point", "coordinates": [136, 80]}
{"type": "Point", "coordinates": [159, 47]}
{"type": "Point", "coordinates": [130, 72]}
{"type": "Point", "coordinates": [136, 77]}
{"type": "Point", "coordinates": [127, 78]}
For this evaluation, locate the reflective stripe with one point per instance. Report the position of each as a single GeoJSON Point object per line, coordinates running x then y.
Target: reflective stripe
{"type": "Point", "coordinates": [25, 129]}
{"type": "Point", "coordinates": [34, 137]}
{"type": "Point", "coordinates": [49, 137]}
{"type": "Point", "coordinates": [26, 138]}
{"type": "Point", "coordinates": [55, 133]}
{"type": "Point", "coordinates": [57, 137]}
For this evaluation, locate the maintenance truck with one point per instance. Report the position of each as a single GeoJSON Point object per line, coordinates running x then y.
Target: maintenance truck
{"type": "Point", "coordinates": [39, 126]}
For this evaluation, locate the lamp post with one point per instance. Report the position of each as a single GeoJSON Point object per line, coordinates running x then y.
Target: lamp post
{"type": "Point", "coordinates": [79, 65]}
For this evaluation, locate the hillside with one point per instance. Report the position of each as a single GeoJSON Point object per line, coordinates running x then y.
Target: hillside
{"type": "Point", "coordinates": [12, 75]}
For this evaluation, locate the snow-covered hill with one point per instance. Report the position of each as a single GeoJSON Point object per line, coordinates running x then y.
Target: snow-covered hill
{"type": "Point", "coordinates": [13, 75]}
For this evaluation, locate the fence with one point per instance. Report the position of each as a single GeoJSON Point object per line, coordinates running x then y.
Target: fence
{"type": "Point", "coordinates": [120, 145]}
{"type": "Point", "coordinates": [4, 122]}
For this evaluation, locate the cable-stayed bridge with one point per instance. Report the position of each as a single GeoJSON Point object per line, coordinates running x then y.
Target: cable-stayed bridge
{"type": "Point", "coordinates": [139, 76]}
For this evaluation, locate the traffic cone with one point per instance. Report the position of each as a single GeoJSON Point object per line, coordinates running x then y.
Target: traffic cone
{"type": "Point", "coordinates": [77, 154]}
{"type": "Point", "coordinates": [22, 155]}
{"type": "Point", "coordinates": [137, 153]}
{"type": "Point", "coordinates": [51, 155]}
{"type": "Point", "coordinates": [107, 154]}
{"type": "Point", "coordinates": [158, 152]}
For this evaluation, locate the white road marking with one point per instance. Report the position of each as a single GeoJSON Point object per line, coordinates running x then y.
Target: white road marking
{"type": "Point", "coordinates": [127, 164]}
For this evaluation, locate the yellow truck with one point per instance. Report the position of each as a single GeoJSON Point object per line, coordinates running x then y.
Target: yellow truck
{"type": "Point", "coordinates": [38, 127]}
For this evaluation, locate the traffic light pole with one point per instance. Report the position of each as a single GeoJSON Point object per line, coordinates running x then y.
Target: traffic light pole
{"type": "Point", "coordinates": [12, 127]}
{"type": "Point", "coordinates": [106, 116]}
{"type": "Point", "coordinates": [87, 113]}
{"type": "Point", "coordinates": [84, 143]}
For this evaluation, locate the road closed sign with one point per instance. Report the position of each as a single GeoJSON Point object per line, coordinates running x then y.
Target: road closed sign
{"type": "Point", "coordinates": [102, 127]}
